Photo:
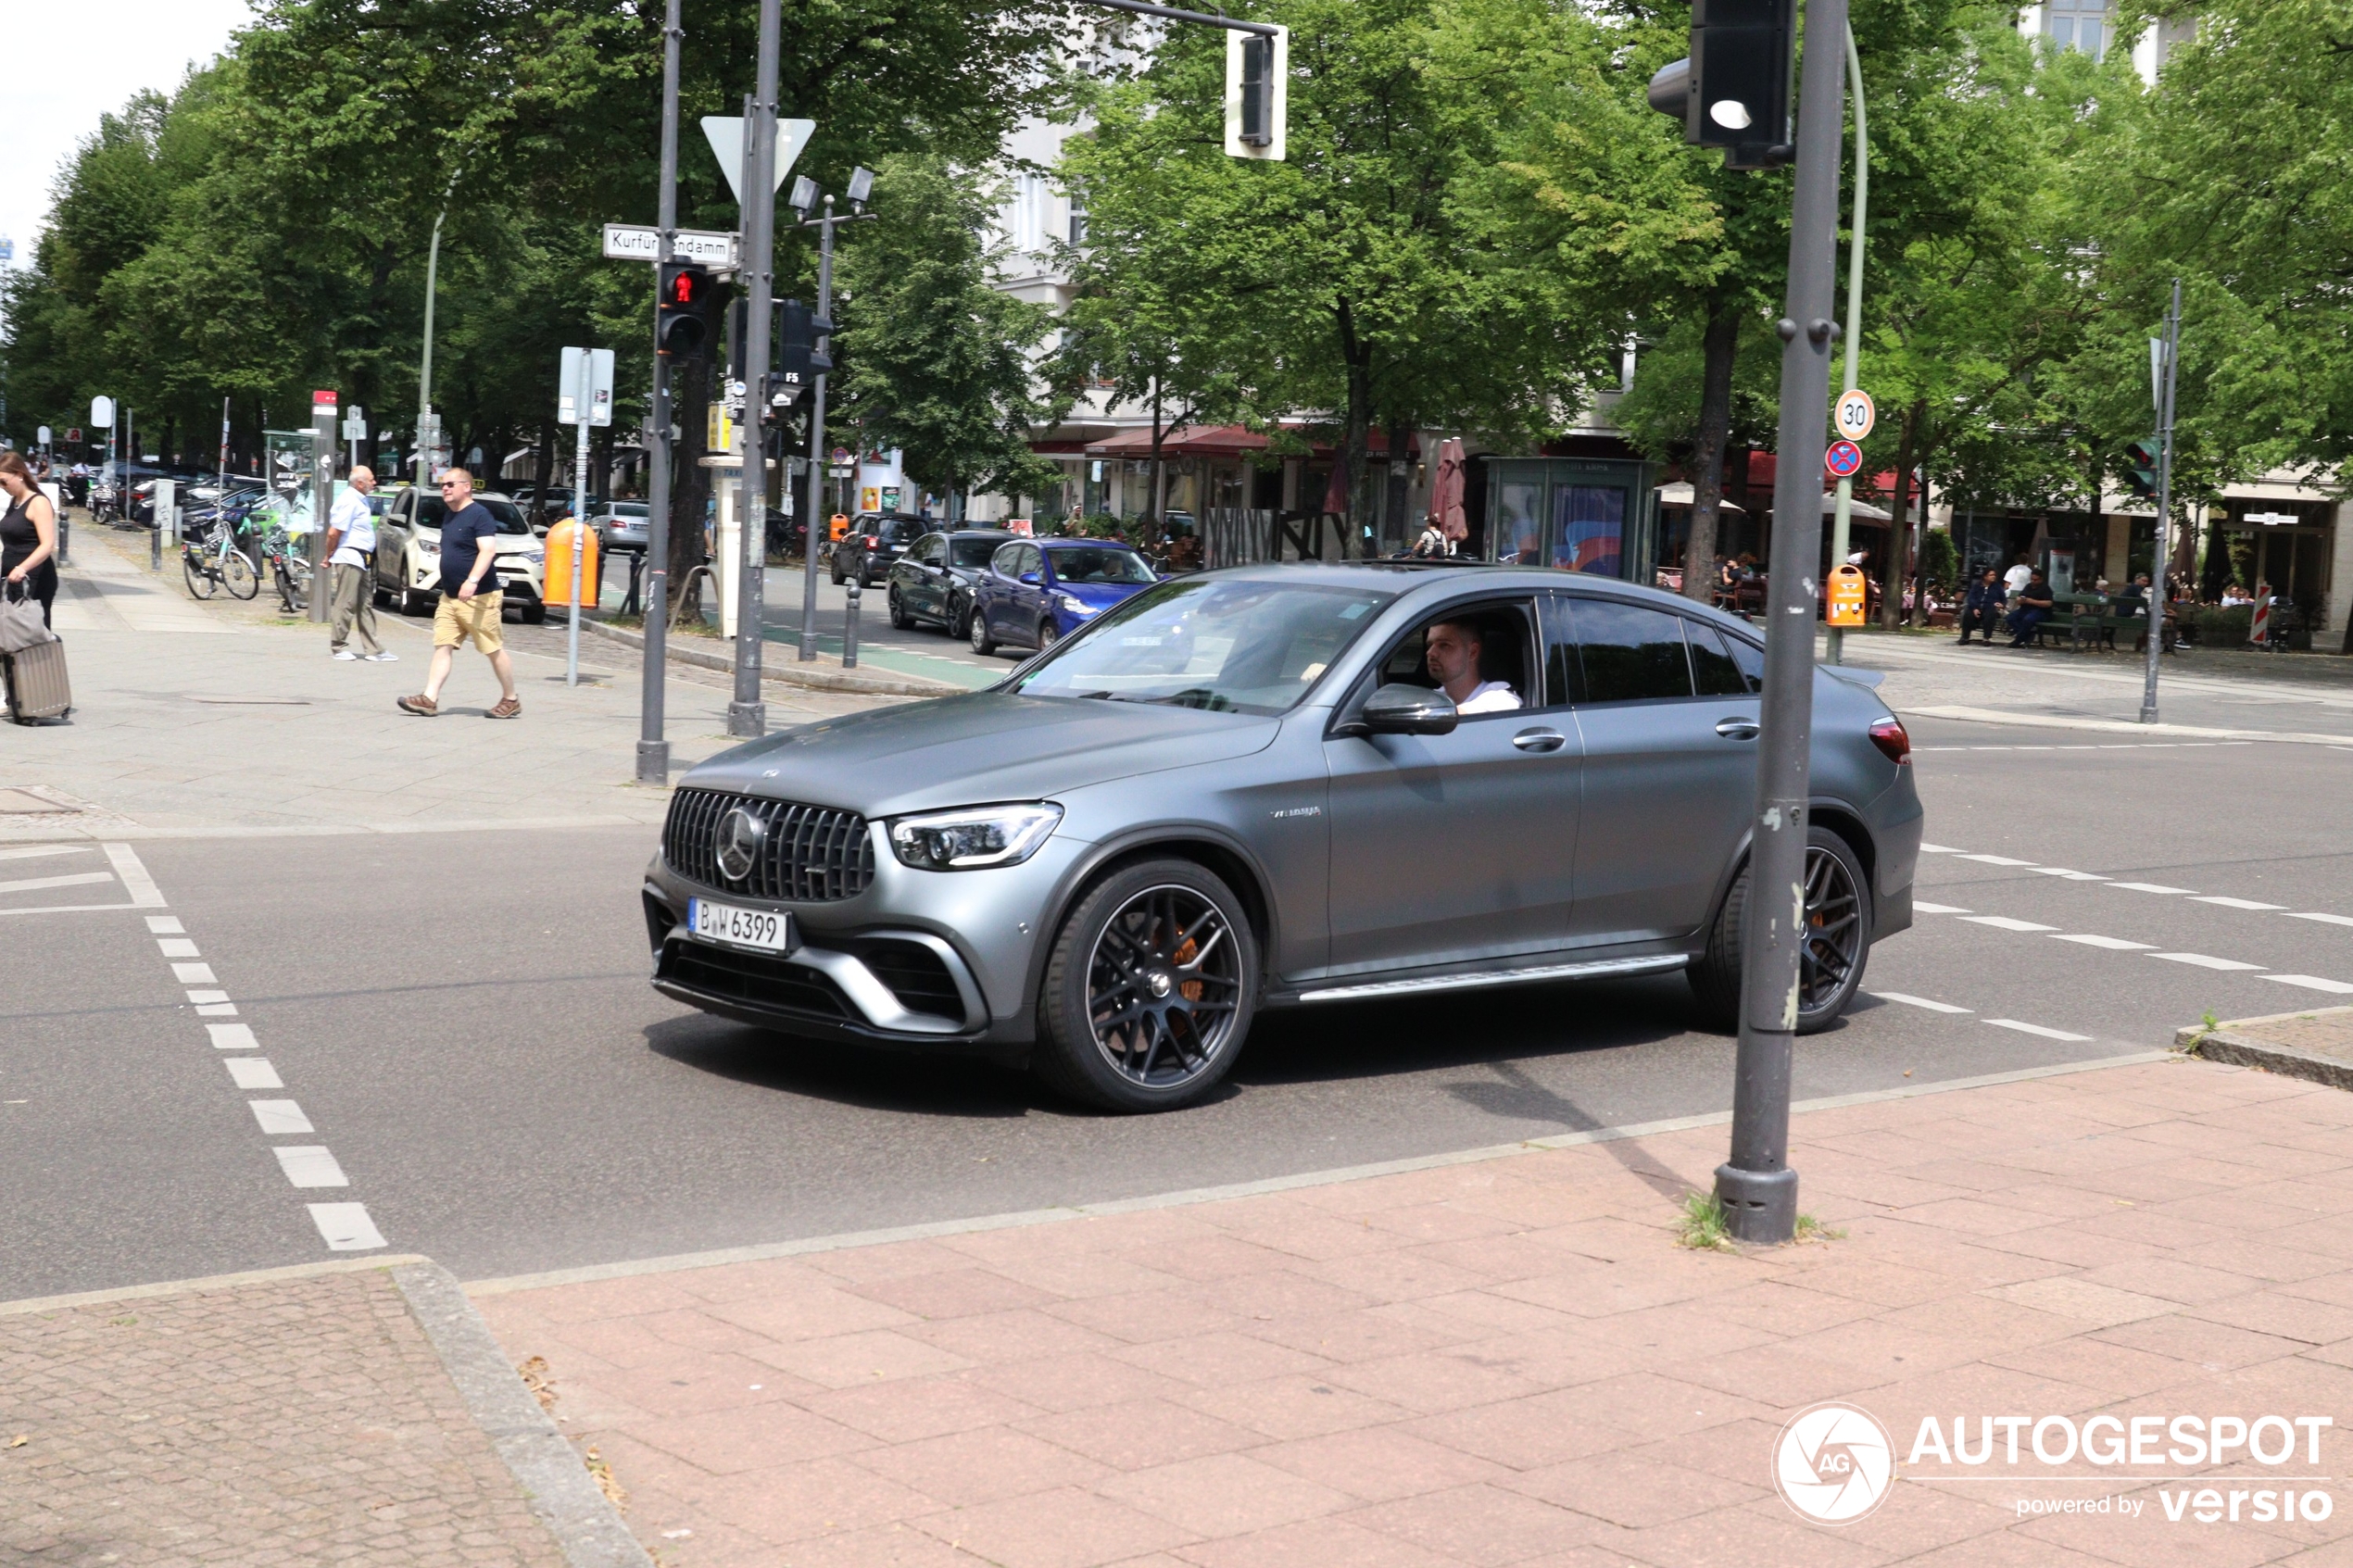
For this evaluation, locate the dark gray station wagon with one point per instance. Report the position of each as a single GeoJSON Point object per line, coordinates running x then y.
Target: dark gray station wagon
{"type": "Point", "coordinates": [1274, 786]}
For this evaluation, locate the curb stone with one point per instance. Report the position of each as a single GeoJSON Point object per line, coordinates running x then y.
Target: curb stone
{"type": "Point", "coordinates": [789, 674]}
{"type": "Point", "coordinates": [557, 1485]}
{"type": "Point", "coordinates": [2228, 1043]}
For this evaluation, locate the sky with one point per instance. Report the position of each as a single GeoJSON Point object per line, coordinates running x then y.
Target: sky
{"type": "Point", "coordinates": [76, 62]}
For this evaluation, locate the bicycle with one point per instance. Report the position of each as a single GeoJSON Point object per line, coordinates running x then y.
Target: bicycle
{"type": "Point", "coordinates": [289, 559]}
{"type": "Point", "coordinates": [215, 560]}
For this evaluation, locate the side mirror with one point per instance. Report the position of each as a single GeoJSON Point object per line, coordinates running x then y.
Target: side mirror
{"type": "Point", "coordinates": [1030, 578]}
{"type": "Point", "coordinates": [1407, 710]}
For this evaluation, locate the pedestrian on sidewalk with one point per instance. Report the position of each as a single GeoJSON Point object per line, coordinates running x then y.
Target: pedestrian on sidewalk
{"type": "Point", "coordinates": [27, 534]}
{"type": "Point", "coordinates": [351, 548]}
{"type": "Point", "coordinates": [469, 559]}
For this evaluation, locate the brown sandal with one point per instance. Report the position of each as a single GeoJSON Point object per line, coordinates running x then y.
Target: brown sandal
{"type": "Point", "coordinates": [421, 705]}
{"type": "Point", "coordinates": [508, 707]}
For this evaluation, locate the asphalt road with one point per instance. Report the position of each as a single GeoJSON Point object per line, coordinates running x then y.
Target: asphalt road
{"type": "Point", "coordinates": [463, 1022]}
{"type": "Point", "coordinates": [922, 650]}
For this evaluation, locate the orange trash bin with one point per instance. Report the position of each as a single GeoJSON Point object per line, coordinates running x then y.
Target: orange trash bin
{"type": "Point", "coordinates": [556, 585]}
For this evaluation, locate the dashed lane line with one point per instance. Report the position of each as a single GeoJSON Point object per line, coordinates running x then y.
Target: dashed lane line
{"type": "Point", "coordinates": [310, 1165]}
{"type": "Point", "coordinates": [280, 1117]}
{"type": "Point", "coordinates": [2113, 944]}
{"type": "Point", "coordinates": [1997, 860]}
{"type": "Point", "coordinates": [1924, 909]}
{"type": "Point", "coordinates": [2331, 920]}
{"type": "Point", "coordinates": [1912, 1001]}
{"type": "Point", "coordinates": [2204, 960]}
{"type": "Point", "coordinates": [2036, 1029]}
{"type": "Point", "coordinates": [2312, 983]}
{"type": "Point", "coordinates": [2234, 903]}
{"type": "Point", "coordinates": [2071, 876]}
{"type": "Point", "coordinates": [253, 1072]}
{"type": "Point", "coordinates": [2150, 887]}
{"type": "Point", "coordinates": [2003, 923]}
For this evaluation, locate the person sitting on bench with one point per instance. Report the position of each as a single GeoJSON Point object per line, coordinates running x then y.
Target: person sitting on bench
{"type": "Point", "coordinates": [1982, 608]}
{"type": "Point", "coordinates": [2034, 607]}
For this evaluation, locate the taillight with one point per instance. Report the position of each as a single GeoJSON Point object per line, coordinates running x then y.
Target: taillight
{"type": "Point", "coordinates": [872, 540]}
{"type": "Point", "coordinates": [1889, 736]}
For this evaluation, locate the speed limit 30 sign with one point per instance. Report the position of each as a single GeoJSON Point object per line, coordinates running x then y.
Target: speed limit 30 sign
{"type": "Point", "coordinates": [1856, 414]}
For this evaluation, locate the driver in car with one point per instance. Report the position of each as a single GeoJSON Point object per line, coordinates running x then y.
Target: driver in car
{"type": "Point", "coordinates": [1453, 650]}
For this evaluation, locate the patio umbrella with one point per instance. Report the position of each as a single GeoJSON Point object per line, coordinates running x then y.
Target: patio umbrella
{"type": "Point", "coordinates": [1446, 490]}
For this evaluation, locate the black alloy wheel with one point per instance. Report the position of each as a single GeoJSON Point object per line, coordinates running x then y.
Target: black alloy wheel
{"type": "Point", "coordinates": [1836, 948]}
{"type": "Point", "coordinates": [1149, 989]}
{"type": "Point", "coordinates": [898, 621]}
{"type": "Point", "coordinates": [959, 617]}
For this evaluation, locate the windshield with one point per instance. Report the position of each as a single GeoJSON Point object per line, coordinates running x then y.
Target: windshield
{"type": "Point", "coordinates": [430, 511]}
{"type": "Point", "coordinates": [1234, 646]}
{"type": "Point", "coordinates": [1098, 563]}
{"type": "Point", "coordinates": [973, 553]}
{"type": "Point", "coordinates": [627, 509]}
{"type": "Point", "coordinates": [897, 530]}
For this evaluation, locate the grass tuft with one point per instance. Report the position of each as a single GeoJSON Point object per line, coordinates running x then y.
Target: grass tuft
{"type": "Point", "coordinates": [1812, 1229]}
{"type": "Point", "coordinates": [1702, 1225]}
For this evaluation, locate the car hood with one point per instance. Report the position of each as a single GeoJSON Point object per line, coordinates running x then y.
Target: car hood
{"type": "Point", "coordinates": [973, 749]}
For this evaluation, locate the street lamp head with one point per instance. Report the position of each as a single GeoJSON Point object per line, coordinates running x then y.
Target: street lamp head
{"type": "Point", "coordinates": [804, 195]}
{"type": "Point", "coordinates": [862, 184]}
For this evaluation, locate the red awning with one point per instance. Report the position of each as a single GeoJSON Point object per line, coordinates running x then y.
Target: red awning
{"type": "Point", "coordinates": [1193, 441]}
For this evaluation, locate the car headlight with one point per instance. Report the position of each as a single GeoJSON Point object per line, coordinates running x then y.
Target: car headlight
{"type": "Point", "coordinates": [531, 554]}
{"type": "Point", "coordinates": [974, 839]}
{"type": "Point", "coordinates": [427, 547]}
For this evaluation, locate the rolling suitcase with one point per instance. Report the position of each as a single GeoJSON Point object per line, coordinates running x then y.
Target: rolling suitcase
{"type": "Point", "coordinates": [37, 683]}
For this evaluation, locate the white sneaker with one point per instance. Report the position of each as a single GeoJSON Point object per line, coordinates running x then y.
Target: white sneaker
{"type": "Point", "coordinates": [346, 654]}
{"type": "Point", "coordinates": [381, 657]}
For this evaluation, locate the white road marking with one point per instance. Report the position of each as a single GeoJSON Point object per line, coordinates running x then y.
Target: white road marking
{"type": "Point", "coordinates": [2236, 903]}
{"type": "Point", "coordinates": [2036, 1029]}
{"type": "Point", "coordinates": [2312, 982]}
{"type": "Point", "coordinates": [1919, 907]}
{"type": "Point", "coordinates": [216, 1010]}
{"type": "Point", "coordinates": [2150, 887]}
{"type": "Point", "coordinates": [2071, 876]}
{"type": "Point", "coordinates": [310, 1165]}
{"type": "Point", "coordinates": [145, 894]}
{"type": "Point", "coordinates": [42, 851]}
{"type": "Point", "coordinates": [30, 883]}
{"type": "Point", "coordinates": [2003, 923]}
{"type": "Point", "coordinates": [253, 1072]}
{"type": "Point", "coordinates": [1938, 849]}
{"type": "Point", "coordinates": [164, 925]}
{"type": "Point", "coordinates": [2114, 943]}
{"type": "Point", "coordinates": [2309, 914]}
{"type": "Point", "coordinates": [207, 995]}
{"type": "Point", "coordinates": [346, 1227]}
{"type": "Point", "coordinates": [1997, 860]}
{"type": "Point", "coordinates": [194, 974]}
{"type": "Point", "coordinates": [232, 1037]}
{"type": "Point", "coordinates": [2203, 962]}
{"type": "Point", "coordinates": [177, 947]}
{"type": "Point", "coordinates": [1911, 1001]}
{"type": "Point", "coordinates": [280, 1116]}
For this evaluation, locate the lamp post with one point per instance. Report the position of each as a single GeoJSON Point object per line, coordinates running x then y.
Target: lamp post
{"type": "Point", "coordinates": [653, 749]}
{"type": "Point", "coordinates": [748, 715]}
{"type": "Point", "coordinates": [804, 196]}
{"type": "Point", "coordinates": [424, 365]}
{"type": "Point", "coordinates": [1839, 533]}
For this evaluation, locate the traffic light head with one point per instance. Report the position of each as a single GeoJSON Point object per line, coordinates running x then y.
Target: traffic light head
{"type": "Point", "coordinates": [2140, 470]}
{"type": "Point", "coordinates": [1733, 91]}
{"type": "Point", "coordinates": [1257, 95]}
{"type": "Point", "coordinates": [796, 347]}
{"type": "Point", "coordinates": [682, 292]}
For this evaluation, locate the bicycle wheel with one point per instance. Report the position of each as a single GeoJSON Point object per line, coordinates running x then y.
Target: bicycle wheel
{"type": "Point", "coordinates": [237, 572]}
{"type": "Point", "coordinates": [201, 582]}
{"type": "Point", "coordinates": [296, 572]}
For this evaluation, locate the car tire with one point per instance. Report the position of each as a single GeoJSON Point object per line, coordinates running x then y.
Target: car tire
{"type": "Point", "coordinates": [1838, 914]}
{"type": "Point", "coordinates": [976, 631]}
{"type": "Point", "coordinates": [382, 594]}
{"type": "Point", "coordinates": [1048, 634]}
{"type": "Point", "coordinates": [898, 621]}
{"type": "Point", "coordinates": [1168, 939]}
{"type": "Point", "coordinates": [413, 602]}
{"type": "Point", "coordinates": [534, 614]}
{"type": "Point", "coordinates": [837, 568]}
{"type": "Point", "coordinates": [959, 618]}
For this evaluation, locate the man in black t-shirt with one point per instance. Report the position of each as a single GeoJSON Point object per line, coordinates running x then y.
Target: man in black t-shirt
{"type": "Point", "coordinates": [471, 600]}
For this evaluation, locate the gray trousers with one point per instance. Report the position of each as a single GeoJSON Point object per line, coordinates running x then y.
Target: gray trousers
{"type": "Point", "coordinates": [355, 603]}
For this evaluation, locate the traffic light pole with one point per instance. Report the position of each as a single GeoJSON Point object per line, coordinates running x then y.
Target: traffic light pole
{"type": "Point", "coordinates": [1756, 1187]}
{"type": "Point", "coordinates": [748, 715]}
{"type": "Point", "coordinates": [817, 443]}
{"type": "Point", "coordinates": [2164, 506]}
{"type": "Point", "coordinates": [653, 749]}
{"type": "Point", "coordinates": [1840, 534]}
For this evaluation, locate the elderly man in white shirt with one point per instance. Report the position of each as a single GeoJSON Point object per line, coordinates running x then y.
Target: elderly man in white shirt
{"type": "Point", "coordinates": [351, 547]}
{"type": "Point", "coordinates": [1452, 651]}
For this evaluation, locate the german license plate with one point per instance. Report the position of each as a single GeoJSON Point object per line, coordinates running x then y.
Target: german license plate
{"type": "Point", "coordinates": [731, 925]}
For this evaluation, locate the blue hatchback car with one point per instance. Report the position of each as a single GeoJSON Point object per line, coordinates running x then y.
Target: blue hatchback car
{"type": "Point", "coordinates": [1036, 591]}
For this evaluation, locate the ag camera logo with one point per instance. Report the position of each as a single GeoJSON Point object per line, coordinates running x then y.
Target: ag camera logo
{"type": "Point", "coordinates": [1833, 1463]}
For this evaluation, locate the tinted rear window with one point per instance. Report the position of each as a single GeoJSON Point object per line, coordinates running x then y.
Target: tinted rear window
{"type": "Point", "coordinates": [973, 553]}
{"type": "Point", "coordinates": [1632, 653]}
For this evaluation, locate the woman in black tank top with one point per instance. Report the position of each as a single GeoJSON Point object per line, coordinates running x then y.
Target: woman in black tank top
{"type": "Point", "coordinates": [27, 533]}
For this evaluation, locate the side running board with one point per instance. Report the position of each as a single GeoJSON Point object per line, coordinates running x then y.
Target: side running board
{"type": "Point", "coordinates": [1649, 965]}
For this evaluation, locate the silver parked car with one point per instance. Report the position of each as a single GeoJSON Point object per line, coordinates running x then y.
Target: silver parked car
{"type": "Point", "coordinates": [1252, 789]}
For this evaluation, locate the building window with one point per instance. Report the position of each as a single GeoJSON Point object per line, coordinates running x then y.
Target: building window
{"type": "Point", "coordinates": [2078, 24]}
{"type": "Point", "coordinates": [1078, 221]}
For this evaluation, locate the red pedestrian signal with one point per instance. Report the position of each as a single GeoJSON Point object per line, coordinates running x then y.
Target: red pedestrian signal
{"type": "Point", "coordinates": [679, 300]}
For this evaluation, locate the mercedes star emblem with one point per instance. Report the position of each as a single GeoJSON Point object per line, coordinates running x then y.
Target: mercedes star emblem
{"type": "Point", "coordinates": [739, 836]}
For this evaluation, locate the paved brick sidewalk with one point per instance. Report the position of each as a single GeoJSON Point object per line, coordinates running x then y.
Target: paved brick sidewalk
{"type": "Point", "coordinates": [1510, 1361]}
{"type": "Point", "coordinates": [294, 1421]}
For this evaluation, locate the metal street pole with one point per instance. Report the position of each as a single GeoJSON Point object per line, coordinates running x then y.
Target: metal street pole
{"type": "Point", "coordinates": [424, 364]}
{"type": "Point", "coordinates": [1755, 1185]}
{"type": "Point", "coordinates": [653, 749]}
{"type": "Point", "coordinates": [748, 715]}
{"type": "Point", "coordinates": [1854, 319]}
{"type": "Point", "coordinates": [2164, 506]}
{"type": "Point", "coordinates": [817, 514]}
{"type": "Point", "coordinates": [323, 483]}
{"type": "Point", "coordinates": [584, 404]}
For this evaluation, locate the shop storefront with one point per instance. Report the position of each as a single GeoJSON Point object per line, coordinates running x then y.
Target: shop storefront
{"type": "Point", "coordinates": [1595, 515]}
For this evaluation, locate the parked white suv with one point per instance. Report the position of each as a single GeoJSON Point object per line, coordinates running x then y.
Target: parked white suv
{"type": "Point", "coordinates": [409, 554]}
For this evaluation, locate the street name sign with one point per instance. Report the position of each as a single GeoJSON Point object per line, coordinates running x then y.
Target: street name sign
{"type": "Point", "coordinates": [638, 241]}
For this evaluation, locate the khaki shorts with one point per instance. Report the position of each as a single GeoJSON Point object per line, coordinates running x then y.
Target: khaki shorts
{"type": "Point", "coordinates": [457, 619]}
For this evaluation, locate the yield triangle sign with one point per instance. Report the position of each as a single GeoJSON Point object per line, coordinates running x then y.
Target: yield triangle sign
{"type": "Point", "coordinates": [726, 134]}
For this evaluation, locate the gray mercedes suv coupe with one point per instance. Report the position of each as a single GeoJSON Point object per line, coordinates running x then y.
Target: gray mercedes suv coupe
{"type": "Point", "coordinates": [1275, 786]}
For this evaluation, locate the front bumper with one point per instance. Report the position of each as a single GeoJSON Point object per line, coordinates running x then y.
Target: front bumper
{"type": "Point", "coordinates": [921, 960]}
